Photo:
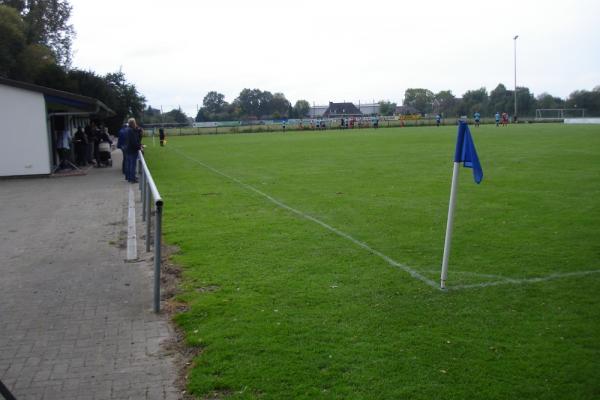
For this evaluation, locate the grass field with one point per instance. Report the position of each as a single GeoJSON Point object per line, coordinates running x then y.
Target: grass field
{"type": "Point", "coordinates": [291, 244]}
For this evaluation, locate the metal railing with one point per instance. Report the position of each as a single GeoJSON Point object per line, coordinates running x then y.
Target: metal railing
{"type": "Point", "coordinates": [148, 192]}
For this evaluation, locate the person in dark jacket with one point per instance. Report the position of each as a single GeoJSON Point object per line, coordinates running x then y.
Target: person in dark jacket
{"type": "Point", "coordinates": [121, 146]}
{"type": "Point", "coordinates": [161, 136]}
{"type": "Point", "coordinates": [80, 141]}
{"type": "Point", "coordinates": [133, 144]}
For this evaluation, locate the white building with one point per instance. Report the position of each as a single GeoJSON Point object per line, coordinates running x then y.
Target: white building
{"type": "Point", "coordinates": [32, 118]}
{"type": "Point", "coordinates": [369, 108]}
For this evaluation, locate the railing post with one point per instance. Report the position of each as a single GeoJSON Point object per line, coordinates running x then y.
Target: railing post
{"type": "Point", "coordinates": [139, 171]}
{"type": "Point", "coordinates": [144, 194]}
{"type": "Point", "coordinates": [148, 216]}
{"type": "Point", "coordinates": [157, 255]}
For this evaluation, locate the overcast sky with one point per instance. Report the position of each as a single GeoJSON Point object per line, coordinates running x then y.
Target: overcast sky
{"type": "Point", "coordinates": [330, 50]}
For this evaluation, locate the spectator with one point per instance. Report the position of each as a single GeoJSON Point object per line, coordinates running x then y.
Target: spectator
{"type": "Point", "coordinates": [121, 146]}
{"type": "Point", "coordinates": [133, 144]}
{"type": "Point", "coordinates": [161, 136]}
{"type": "Point", "coordinates": [80, 141]}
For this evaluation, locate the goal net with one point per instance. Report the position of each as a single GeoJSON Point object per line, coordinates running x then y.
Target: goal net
{"type": "Point", "coordinates": [558, 113]}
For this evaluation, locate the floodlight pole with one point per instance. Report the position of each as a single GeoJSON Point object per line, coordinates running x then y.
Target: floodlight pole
{"type": "Point", "coordinates": [515, 49]}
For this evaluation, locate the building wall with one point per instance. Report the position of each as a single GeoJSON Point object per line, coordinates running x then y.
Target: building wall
{"type": "Point", "coordinates": [317, 111]}
{"type": "Point", "coordinates": [368, 109]}
{"type": "Point", "coordinates": [24, 142]}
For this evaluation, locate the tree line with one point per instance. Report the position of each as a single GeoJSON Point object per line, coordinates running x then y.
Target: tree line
{"type": "Point", "coordinates": [498, 100]}
{"type": "Point", "coordinates": [258, 104]}
{"type": "Point", "coordinates": [35, 47]}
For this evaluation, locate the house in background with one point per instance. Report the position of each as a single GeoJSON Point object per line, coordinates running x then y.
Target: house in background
{"type": "Point", "coordinates": [406, 110]}
{"type": "Point", "coordinates": [336, 110]}
{"type": "Point", "coordinates": [369, 108]}
{"type": "Point", "coordinates": [32, 117]}
{"type": "Point", "coordinates": [316, 111]}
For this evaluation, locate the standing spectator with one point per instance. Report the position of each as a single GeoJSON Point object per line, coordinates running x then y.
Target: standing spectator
{"type": "Point", "coordinates": [80, 141]}
{"type": "Point", "coordinates": [121, 146]}
{"type": "Point", "coordinates": [97, 132]}
{"type": "Point", "coordinates": [63, 146]}
{"type": "Point", "coordinates": [132, 146]}
{"type": "Point", "coordinates": [438, 120]}
{"type": "Point", "coordinates": [161, 135]}
{"type": "Point", "coordinates": [497, 116]}
{"type": "Point", "coordinates": [89, 151]}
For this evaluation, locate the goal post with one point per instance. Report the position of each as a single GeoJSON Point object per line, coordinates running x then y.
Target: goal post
{"type": "Point", "coordinates": [545, 114]}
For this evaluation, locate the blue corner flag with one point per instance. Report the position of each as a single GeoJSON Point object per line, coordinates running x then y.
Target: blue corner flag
{"type": "Point", "coordinates": [466, 153]}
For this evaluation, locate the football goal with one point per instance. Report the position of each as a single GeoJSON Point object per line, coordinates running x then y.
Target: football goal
{"type": "Point", "coordinates": [558, 113]}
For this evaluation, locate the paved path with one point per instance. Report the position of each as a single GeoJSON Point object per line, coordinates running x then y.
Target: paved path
{"type": "Point", "coordinates": [76, 320]}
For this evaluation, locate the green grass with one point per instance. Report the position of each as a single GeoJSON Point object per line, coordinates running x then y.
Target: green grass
{"type": "Point", "coordinates": [302, 313]}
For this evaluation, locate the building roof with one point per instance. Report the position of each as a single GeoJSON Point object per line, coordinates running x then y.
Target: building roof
{"type": "Point", "coordinates": [341, 109]}
{"type": "Point", "coordinates": [63, 100]}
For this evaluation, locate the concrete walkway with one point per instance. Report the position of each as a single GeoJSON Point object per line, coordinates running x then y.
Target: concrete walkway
{"type": "Point", "coordinates": [76, 320]}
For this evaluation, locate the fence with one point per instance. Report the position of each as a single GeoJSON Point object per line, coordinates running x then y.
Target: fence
{"type": "Point", "coordinates": [149, 191]}
{"type": "Point", "coordinates": [329, 124]}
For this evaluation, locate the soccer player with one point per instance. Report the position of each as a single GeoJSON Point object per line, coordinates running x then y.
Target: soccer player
{"type": "Point", "coordinates": [438, 120]}
{"type": "Point", "coordinates": [504, 119]}
{"type": "Point", "coordinates": [497, 116]}
{"type": "Point", "coordinates": [477, 117]}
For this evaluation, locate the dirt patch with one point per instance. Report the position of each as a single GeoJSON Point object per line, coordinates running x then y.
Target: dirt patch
{"type": "Point", "coordinates": [170, 273]}
{"type": "Point", "coordinates": [184, 354]}
{"type": "Point", "coordinates": [184, 359]}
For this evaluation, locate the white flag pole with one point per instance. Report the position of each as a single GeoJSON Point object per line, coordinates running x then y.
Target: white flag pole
{"type": "Point", "coordinates": [449, 225]}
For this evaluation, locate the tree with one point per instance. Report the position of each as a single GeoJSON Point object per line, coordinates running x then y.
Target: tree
{"type": "Point", "coordinates": [31, 62]}
{"type": "Point", "coordinates": [590, 101]}
{"type": "Point", "coordinates": [474, 100]}
{"type": "Point", "coordinates": [254, 103]}
{"type": "Point", "coordinates": [47, 23]}
{"type": "Point", "coordinates": [12, 38]}
{"type": "Point", "coordinates": [500, 99]}
{"type": "Point", "coordinates": [301, 108]}
{"type": "Point", "coordinates": [421, 99]}
{"type": "Point", "coordinates": [525, 102]}
{"type": "Point", "coordinates": [546, 100]}
{"type": "Point", "coordinates": [280, 105]}
{"type": "Point", "coordinates": [445, 103]}
{"type": "Point", "coordinates": [214, 102]}
{"type": "Point", "coordinates": [176, 115]}
{"type": "Point", "coordinates": [152, 116]}
{"type": "Point", "coordinates": [249, 102]}
{"type": "Point", "coordinates": [386, 107]}
{"type": "Point", "coordinates": [265, 104]}
{"type": "Point", "coordinates": [130, 103]}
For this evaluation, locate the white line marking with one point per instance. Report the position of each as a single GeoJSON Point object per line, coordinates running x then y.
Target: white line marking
{"type": "Point", "coordinates": [455, 272]}
{"type": "Point", "coordinates": [365, 246]}
{"type": "Point", "coordinates": [522, 281]}
{"type": "Point", "coordinates": [407, 269]}
{"type": "Point", "coordinates": [131, 234]}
